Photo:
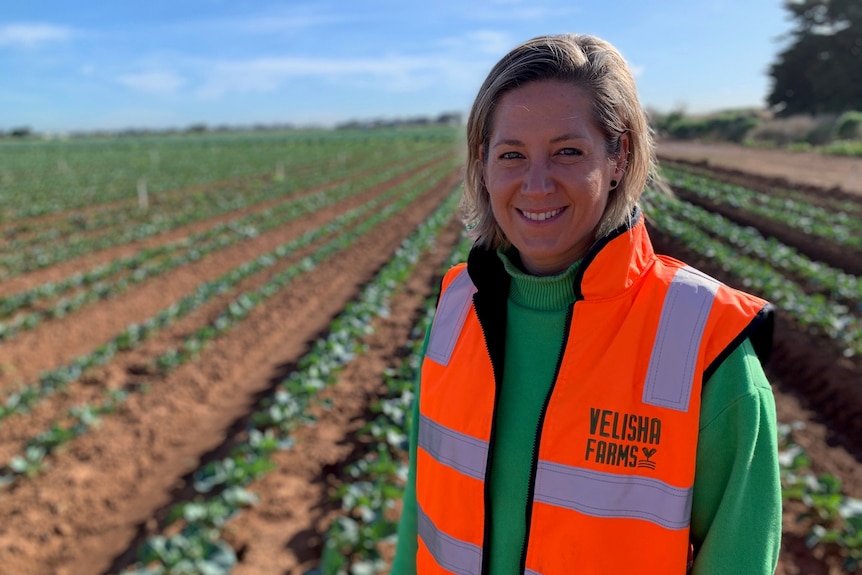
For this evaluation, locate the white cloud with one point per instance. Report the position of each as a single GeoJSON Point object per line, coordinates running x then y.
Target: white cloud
{"type": "Point", "coordinates": [455, 64]}
{"type": "Point", "coordinates": [27, 35]}
{"type": "Point", "coordinates": [520, 11]}
{"type": "Point", "coordinates": [489, 42]}
{"type": "Point", "coordinates": [280, 24]}
{"type": "Point", "coordinates": [284, 20]}
{"type": "Point", "coordinates": [163, 82]}
{"type": "Point", "coordinates": [394, 73]}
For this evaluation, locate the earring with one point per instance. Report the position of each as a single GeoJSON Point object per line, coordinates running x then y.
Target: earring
{"type": "Point", "coordinates": [613, 184]}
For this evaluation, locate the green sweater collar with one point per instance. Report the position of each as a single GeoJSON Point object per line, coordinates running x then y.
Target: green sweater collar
{"type": "Point", "coordinates": [543, 293]}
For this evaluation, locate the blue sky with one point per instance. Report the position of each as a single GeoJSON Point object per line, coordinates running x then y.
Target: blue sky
{"type": "Point", "coordinates": [83, 65]}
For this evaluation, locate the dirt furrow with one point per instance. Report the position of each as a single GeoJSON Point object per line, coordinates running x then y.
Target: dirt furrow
{"type": "Point", "coordinates": [816, 248]}
{"type": "Point", "coordinates": [65, 269]}
{"type": "Point", "coordinates": [84, 512]}
{"type": "Point", "coordinates": [156, 201]}
{"type": "Point", "coordinates": [133, 368]}
{"type": "Point", "coordinates": [55, 343]}
{"type": "Point", "coordinates": [837, 174]}
{"type": "Point", "coordinates": [283, 533]}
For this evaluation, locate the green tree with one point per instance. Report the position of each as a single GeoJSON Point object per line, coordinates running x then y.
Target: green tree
{"type": "Point", "coordinates": [820, 70]}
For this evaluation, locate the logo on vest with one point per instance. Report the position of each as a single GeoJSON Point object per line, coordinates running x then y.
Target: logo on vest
{"type": "Point", "coordinates": [622, 439]}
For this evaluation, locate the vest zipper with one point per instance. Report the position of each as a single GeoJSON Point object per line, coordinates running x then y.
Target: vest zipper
{"type": "Point", "coordinates": [534, 460]}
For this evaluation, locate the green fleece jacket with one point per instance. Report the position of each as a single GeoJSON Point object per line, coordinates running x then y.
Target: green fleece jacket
{"type": "Point", "coordinates": [736, 508]}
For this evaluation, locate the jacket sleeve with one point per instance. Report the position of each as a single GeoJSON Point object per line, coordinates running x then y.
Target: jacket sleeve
{"type": "Point", "coordinates": [736, 508]}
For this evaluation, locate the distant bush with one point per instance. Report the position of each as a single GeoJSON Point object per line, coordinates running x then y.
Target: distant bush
{"type": "Point", "coordinates": [729, 125]}
{"type": "Point", "coordinates": [21, 132]}
{"type": "Point", "coordinates": [848, 126]}
{"type": "Point", "coordinates": [799, 147]}
{"type": "Point", "coordinates": [793, 130]}
{"type": "Point", "coordinates": [830, 134]}
{"type": "Point", "coordinates": [844, 148]}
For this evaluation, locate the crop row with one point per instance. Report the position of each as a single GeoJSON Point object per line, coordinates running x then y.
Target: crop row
{"type": "Point", "coordinates": [841, 227]}
{"type": "Point", "coordinates": [99, 215]}
{"type": "Point", "coordinates": [222, 485]}
{"type": "Point", "coordinates": [352, 544]}
{"type": "Point", "coordinates": [111, 279]}
{"type": "Point", "coordinates": [812, 312]}
{"type": "Point", "coordinates": [25, 255]}
{"type": "Point", "coordinates": [832, 203]}
{"type": "Point", "coordinates": [292, 172]}
{"type": "Point", "coordinates": [42, 177]}
{"type": "Point", "coordinates": [835, 520]}
{"type": "Point", "coordinates": [52, 381]}
{"type": "Point", "coordinates": [83, 418]}
{"type": "Point", "coordinates": [817, 277]}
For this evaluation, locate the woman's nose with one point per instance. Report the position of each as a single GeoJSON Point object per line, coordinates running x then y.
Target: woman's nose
{"type": "Point", "coordinates": [538, 180]}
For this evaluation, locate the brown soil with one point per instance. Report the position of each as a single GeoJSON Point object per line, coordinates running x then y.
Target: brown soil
{"type": "Point", "coordinates": [107, 491]}
{"type": "Point", "coordinates": [820, 171]}
{"type": "Point", "coordinates": [87, 511]}
{"type": "Point", "coordinates": [847, 259]}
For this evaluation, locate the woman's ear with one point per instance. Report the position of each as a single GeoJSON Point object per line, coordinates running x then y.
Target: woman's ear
{"type": "Point", "coordinates": [622, 160]}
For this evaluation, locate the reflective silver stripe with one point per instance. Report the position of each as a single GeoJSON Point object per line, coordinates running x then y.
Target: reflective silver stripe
{"type": "Point", "coordinates": [615, 496]}
{"type": "Point", "coordinates": [451, 313]}
{"type": "Point", "coordinates": [674, 356]}
{"type": "Point", "coordinates": [452, 554]}
{"type": "Point", "coordinates": [531, 572]}
{"type": "Point", "coordinates": [453, 449]}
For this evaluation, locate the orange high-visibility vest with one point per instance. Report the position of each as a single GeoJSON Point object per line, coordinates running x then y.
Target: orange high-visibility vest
{"type": "Point", "coordinates": [612, 476]}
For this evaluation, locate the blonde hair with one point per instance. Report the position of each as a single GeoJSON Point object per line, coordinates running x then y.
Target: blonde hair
{"type": "Point", "coordinates": [599, 69]}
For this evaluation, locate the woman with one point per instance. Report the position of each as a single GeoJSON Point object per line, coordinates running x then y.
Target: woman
{"type": "Point", "coordinates": [585, 405]}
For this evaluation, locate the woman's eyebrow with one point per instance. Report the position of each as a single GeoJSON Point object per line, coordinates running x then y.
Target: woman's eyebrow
{"type": "Point", "coordinates": [555, 140]}
{"type": "Point", "coordinates": [507, 142]}
{"type": "Point", "coordinates": [567, 137]}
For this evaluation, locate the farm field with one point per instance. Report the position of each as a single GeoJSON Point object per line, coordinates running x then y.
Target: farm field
{"type": "Point", "coordinates": [813, 169]}
{"type": "Point", "coordinates": [197, 331]}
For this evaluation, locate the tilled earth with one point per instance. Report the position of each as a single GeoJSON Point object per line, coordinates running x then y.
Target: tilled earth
{"type": "Point", "coordinates": [835, 174]}
{"type": "Point", "coordinates": [104, 491]}
{"type": "Point", "coordinates": [107, 491]}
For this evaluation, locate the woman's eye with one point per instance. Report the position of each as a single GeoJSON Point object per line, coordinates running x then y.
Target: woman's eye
{"type": "Point", "coordinates": [569, 152]}
{"type": "Point", "coordinates": [510, 155]}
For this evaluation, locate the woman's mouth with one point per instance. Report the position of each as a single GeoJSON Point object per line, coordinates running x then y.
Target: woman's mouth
{"type": "Point", "coordinates": [540, 216]}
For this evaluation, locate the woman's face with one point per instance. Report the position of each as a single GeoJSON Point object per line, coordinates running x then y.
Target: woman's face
{"type": "Point", "coordinates": [548, 173]}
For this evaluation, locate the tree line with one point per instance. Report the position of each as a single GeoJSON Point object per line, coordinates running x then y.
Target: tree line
{"type": "Point", "coordinates": [820, 69]}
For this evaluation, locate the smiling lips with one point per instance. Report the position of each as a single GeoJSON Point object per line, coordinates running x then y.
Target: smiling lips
{"type": "Point", "coordinates": [540, 216]}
